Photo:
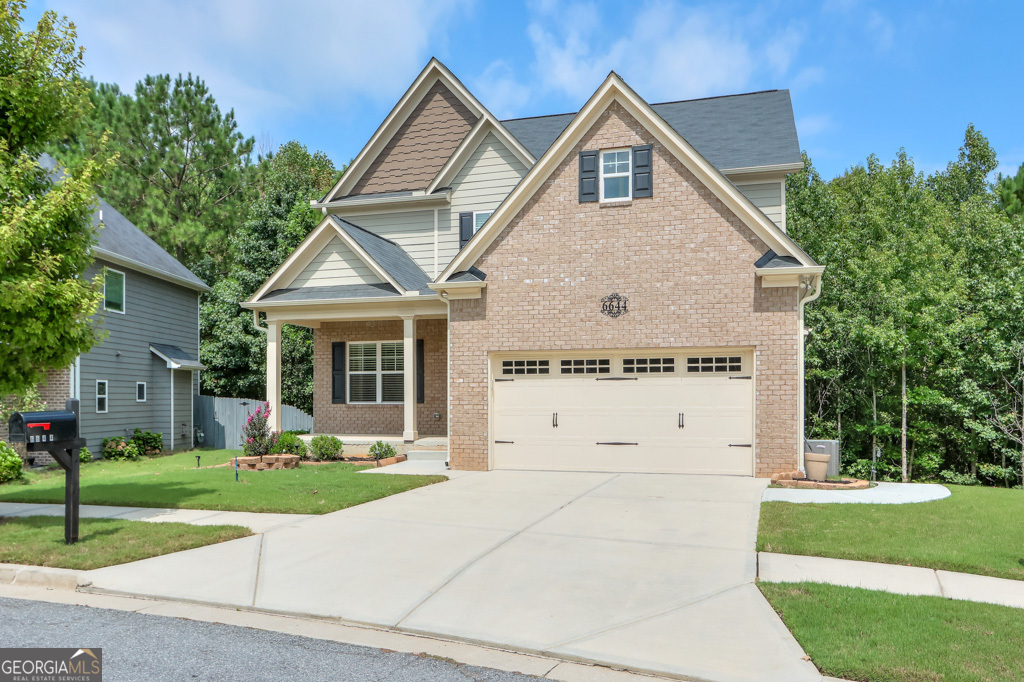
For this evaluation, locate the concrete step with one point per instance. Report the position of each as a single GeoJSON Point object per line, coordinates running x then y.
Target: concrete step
{"type": "Point", "coordinates": [427, 455]}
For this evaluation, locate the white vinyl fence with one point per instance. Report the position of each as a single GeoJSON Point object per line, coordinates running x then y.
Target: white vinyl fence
{"type": "Point", "coordinates": [222, 419]}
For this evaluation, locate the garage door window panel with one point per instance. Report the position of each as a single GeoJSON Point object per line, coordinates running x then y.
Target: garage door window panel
{"type": "Point", "coordinates": [648, 365]}
{"type": "Point", "coordinates": [586, 366]}
{"type": "Point", "coordinates": [716, 364]}
{"type": "Point", "coordinates": [525, 367]}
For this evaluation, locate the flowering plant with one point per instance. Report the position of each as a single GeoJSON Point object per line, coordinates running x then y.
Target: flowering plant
{"type": "Point", "coordinates": [256, 432]}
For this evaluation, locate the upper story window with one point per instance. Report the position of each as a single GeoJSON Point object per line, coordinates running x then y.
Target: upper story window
{"type": "Point", "coordinates": [113, 291]}
{"type": "Point", "coordinates": [616, 175]}
{"type": "Point", "coordinates": [479, 218]}
{"type": "Point", "coordinates": [615, 171]}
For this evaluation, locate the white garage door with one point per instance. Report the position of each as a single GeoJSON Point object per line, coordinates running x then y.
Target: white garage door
{"type": "Point", "coordinates": [672, 412]}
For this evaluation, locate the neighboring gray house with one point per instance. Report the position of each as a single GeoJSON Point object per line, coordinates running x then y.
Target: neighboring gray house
{"type": "Point", "coordinates": [151, 313]}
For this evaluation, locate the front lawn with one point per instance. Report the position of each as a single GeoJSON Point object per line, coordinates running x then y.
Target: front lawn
{"type": "Point", "coordinates": [39, 541]}
{"type": "Point", "coordinates": [859, 634]}
{"type": "Point", "coordinates": [174, 481]}
{"type": "Point", "coordinates": [975, 530]}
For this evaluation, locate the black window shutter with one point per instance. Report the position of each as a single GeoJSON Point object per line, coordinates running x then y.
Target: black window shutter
{"type": "Point", "coordinates": [420, 388]}
{"type": "Point", "coordinates": [465, 228]}
{"type": "Point", "coordinates": [588, 176]}
{"type": "Point", "coordinates": [338, 372]}
{"type": "Point", "coordinates": [643, 177]}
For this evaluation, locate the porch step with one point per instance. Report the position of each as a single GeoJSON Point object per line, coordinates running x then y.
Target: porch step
{"type": "Point", "coordinates": [427, 455]}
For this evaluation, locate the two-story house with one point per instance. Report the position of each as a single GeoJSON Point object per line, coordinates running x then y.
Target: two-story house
{"type": "Point", "coordinates": [607, 290]}
{"type": "Point", "coordinates": [145, 372]}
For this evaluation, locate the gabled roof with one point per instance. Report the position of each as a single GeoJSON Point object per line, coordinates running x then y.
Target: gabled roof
{"type": "Point", "coordinates": [433, 72]}
{"type": "Point", "coordinates": [733, 132]}
{"type": "Point", "coordinates": [614, 89]}
{"type": "Point", "coordinates": [391, 257]}
{"type": "Point", "coordinates": [122, 243]}
{"type": "Point", "coordinates": [398, 272]}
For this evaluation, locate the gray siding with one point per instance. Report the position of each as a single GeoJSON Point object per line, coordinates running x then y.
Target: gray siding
{"type": "Point", "coordinates": [155, 311]}
{"type": "Point", "coordinates": [412, 230]}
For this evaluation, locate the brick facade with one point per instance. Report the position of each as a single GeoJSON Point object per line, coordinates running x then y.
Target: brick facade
{"type": "Point", "coordinates": [380, 420]}
{"type": "Point", "coordinates": [682, 257]}
{"type": "Point", "coordinates": [53, 391]}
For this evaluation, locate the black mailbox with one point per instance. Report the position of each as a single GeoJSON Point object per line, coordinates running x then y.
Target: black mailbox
{"type": "Point", "coordinates": [43, 431]}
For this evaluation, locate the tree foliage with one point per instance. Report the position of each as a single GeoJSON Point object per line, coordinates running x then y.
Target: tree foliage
{"type": "Point", "coordinates": [181, 164]}
{"type": "Point", "coordinates": [924, 280]}
{"type": "Point", "coordinates": [45, 219]}
{"type": "Point", "coordinates": [1010, 191]}
{"type": "Point", "coordinates": [277, 218]}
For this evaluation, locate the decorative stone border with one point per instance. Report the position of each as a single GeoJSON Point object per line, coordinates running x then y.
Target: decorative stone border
{"type": "Point", "coordinates": [265, 463]}
{"type": "Point", "coordinates": [842, 484]}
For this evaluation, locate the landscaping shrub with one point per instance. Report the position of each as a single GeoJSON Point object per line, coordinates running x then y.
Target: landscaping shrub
{"type": "Point", "coordinates": [382, 450]}
{"type": "Point", "coordinates": [325, 448]}
{"type": "Point", "coordinates": [297, 432]}
{"type": "Point", "coordinates": [10, 464]}
{"type": "Point", "coordinates": [288, 443]}
{"type": "Point", "coordinates": [84, 455]}
{"type": "Point", "coordinates": [256, 437]}
{"type": "Point", "coordinates": [117, 448]}
{"type": "Point", "coordinates": [149, 443]}
{"type": "Point", "coordinates": [956, 478]}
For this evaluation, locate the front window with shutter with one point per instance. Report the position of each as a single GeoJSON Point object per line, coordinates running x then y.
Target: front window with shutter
{"type": "Point", "coordinates": [615, 174]}
{"type": "Point", "coordinates": [376, 372]}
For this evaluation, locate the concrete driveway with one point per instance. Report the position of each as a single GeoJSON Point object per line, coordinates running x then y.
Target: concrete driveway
{"type": "Point", "coordinates": [648, 572]}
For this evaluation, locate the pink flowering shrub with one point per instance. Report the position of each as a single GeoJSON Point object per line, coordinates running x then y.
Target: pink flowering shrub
{"type": "Point", "coordinates": [256, 432]}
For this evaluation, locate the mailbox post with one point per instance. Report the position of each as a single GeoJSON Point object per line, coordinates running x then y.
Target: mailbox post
{"type": "Point", "coordinates": [57, 433]}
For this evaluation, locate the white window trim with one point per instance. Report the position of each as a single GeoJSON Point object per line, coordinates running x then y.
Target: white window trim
{"type": "Point", "coordinates": [145, 391]}
{"type": "Point", "coordinates": [124, 292]}
{"type": "Point", "coordinates": [379, 372]}
{"type": "Point", "coordinates": [475, 214]}
{"type": "Point", "coordinates": [105, 396]}
{"type": "Point", "coordinates": [628, 175]}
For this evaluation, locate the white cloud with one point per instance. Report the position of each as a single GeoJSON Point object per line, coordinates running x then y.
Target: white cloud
{"type": "Point", "coordinates": [810, 126]}
{"type": "Point", "coordinates": [665, 51]}
{"type": "Point", "coordinates": [264, 58]}
{"type": "Point", "coordinates": [881, 30]}
{"type": "Point", "coordinates": [498, 89]}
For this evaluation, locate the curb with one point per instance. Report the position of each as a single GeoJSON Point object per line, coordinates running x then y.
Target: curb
{"type": "Point", "coordinates": [43, 576]}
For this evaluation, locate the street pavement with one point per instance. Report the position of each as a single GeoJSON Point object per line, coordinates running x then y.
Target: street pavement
{"type": "Point", "coordinates": [157, 648]}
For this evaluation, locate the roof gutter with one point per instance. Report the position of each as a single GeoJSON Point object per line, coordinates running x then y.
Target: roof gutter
{"type": "Point", "coordinates": [791, 270]}
{"type": "Point", "coordinates": [770, 168]}
{"type": "Point", "coordinates": [438, 197]}
{"type": "Point", "coordinates": [260, 305]}
{"type": "Point", "coordinates": [149, 269]}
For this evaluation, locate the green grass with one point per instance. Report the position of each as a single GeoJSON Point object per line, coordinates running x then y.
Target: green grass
{"type": "Point", "coordinates": [859, 634]}
{"type": "Point", "coordinates": [39, 541]}
{"type": "Point", "coordinates": [173, 481]}
{"type": "Point", "coordinates": [976, 530]}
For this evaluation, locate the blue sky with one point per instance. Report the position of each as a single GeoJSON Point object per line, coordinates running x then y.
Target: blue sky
{"type": "Point", "coordinates": [865, 77]}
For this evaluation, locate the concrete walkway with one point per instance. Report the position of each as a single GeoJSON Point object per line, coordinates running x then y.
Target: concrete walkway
{"type": "Point", "coordinates": [786, 568]}
{"type": "Point", "coordinates": [883, 493]}
{"type": "Point", "coordinates": [653, 573]}
{"type": "Point", "coordinates": [258, 523]}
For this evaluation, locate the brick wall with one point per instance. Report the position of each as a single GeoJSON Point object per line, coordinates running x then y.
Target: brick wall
{"type": "Point", "coordinates": [380, 419]}
{"type": "Point", "coordinates": [684, 260]}
{"type": "Point", "coordinates": [53, 391]}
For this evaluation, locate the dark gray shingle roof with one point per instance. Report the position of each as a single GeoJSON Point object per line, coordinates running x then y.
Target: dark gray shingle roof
{"type": "Point", "coordinates": [328, 293]}
{"type": "Point", "coordinates": [735, 131]}
{"type": "Point", "coordinates": [118, 237]}
{"type": "Point", "coordinates": [176, 356]}
{"type": "Point", "coordinates": [389, 255]}
{"type": "Point", "coordinates": [774, 260]}
{"type": "Point", "coordinates": [471, 275]}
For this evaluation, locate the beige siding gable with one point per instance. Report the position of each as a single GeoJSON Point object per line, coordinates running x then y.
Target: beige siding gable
{"type": "Point", "coordinates": [491, 172]}
{"type": "Point", "coordinates": [421, 146]}
{"type": "Point", "coordinates": [335, 264]}
{"type": "Point", "coordinates": [412, 230]}
{"type": "Point", "coordinates": [767, 196]}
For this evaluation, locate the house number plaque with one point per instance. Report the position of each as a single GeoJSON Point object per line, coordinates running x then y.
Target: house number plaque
{"type": "Point", "coordinates": [614, 305]}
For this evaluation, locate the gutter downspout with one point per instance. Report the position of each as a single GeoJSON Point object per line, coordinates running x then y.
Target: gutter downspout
{"type": "Point", "coordinates": [256, 321]}
{"type": "Point", "coordinates": [804, 299]}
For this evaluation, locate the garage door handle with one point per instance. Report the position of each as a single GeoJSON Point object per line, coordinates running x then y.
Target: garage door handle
{"type": "Point", "coordinates": [507, 442]}
{"type": "Point", "coordinates": [554, 419]}
{"type": "Point", "coordinates": [746, 377]}
{"type": "Point", "coordinates": [616, 443]}
{"type": "Point", "coordinates": [740, 445]}
{"type": "Point", "coordinates": [617, 378]}
{"type": "Point", "coordinates": [504, 379]}
{"type": "Point", "coordinates": [682, 420]}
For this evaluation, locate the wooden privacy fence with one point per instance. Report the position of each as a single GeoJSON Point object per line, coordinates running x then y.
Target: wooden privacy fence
{"type": "Point", "coordinates": [222, 419]}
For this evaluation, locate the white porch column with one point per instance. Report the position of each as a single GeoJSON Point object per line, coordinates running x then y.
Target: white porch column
{"type": "Point", "coordinates": [409, 369]}
{"type": "Point", "coordinates": [274, 374]}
